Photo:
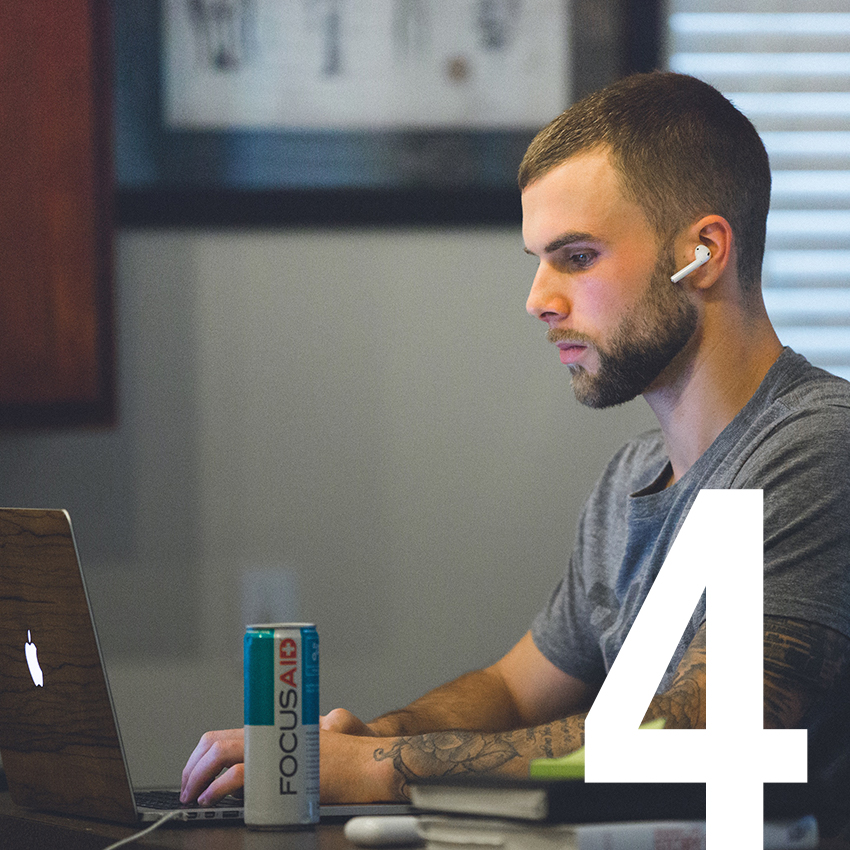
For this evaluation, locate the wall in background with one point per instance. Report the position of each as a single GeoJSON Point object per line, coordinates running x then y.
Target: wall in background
{"type": "Point", "coordinates": [357, 427]}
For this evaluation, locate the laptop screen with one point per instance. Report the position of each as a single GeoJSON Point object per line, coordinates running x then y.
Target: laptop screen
{"type": "Point", "coordinates": [59, 740]}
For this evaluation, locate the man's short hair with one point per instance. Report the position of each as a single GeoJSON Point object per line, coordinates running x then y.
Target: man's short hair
{"type": "Point", "coordinates": [681, 150]}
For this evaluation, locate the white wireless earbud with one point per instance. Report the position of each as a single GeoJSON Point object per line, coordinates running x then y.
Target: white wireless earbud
{"type": "Point", "coordinates": [702, 254]}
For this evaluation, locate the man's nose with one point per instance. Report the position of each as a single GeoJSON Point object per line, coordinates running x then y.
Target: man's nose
{"type": "Point", "coordinates": [548, 299]}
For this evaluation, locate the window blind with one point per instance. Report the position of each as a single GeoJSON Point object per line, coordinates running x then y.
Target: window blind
{"type": "Point", "coordinates": [789, 72]}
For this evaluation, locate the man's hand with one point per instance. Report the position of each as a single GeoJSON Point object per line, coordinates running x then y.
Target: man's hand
{"type": "Point", "coordinates": [351, 771]}
{"type": "Point", "coordinates": [343, 721]}
{"type": "Point", "coordinates": [203, 779]}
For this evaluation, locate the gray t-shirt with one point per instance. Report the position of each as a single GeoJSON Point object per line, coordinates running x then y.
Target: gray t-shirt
{"type": "Point", "coordinates": [792, 440]}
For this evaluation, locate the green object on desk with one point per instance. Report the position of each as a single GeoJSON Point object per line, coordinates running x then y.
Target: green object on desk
{"type": "Point", "coordinates": [572, 766]}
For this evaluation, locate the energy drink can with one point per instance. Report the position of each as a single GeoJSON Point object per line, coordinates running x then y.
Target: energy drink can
{"type": "Point", "coordinates": [281, 726]}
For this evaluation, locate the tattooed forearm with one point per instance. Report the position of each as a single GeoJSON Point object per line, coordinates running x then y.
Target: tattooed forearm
{"type": "Point", "coordinates": [568, 734]}
{"type": "Point", "coordinates": [547, 742]}
{"type": "Point", "coordinates": [683, 705]}
{"type": "Point", "coordinates": [446, 754]}
{"type": "Point", "coordinates": [462, 752]}
{"type": "Point", "coordinates": [802, 663]}
{"type": "Point", "coordinates": [557, 738]}
{"type": "Point", "coordinates": [436, 754]}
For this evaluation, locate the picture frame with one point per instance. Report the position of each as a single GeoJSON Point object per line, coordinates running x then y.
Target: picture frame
{"type": "Point", "coordinates": [226, 174]}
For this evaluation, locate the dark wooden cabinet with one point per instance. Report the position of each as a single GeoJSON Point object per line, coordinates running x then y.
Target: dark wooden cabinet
{"type": "Point", "coordinates": [56, 340]}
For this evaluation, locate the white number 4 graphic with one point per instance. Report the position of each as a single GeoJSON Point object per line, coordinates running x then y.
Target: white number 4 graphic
{"type": "Point", "coordinates": [719, 549]}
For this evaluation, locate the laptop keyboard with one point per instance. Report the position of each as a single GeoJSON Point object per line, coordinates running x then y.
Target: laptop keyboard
{"type": "Point", "coordinates": [169, 800]}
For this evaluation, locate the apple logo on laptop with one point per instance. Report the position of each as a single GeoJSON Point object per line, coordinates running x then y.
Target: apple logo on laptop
{"type": "Point", "coordinates": [31, 652]}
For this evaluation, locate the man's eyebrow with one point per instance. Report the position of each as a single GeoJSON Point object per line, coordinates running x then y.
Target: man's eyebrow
{"type": "Point", "coordinates": [565, 239]}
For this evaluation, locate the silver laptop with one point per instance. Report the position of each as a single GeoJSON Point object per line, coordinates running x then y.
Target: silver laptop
{"type": "Point", "coordinates": [59, 737]}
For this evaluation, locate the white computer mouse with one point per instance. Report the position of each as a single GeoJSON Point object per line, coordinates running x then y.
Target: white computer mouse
{"type": "Point", "coordinates": [382, 831]}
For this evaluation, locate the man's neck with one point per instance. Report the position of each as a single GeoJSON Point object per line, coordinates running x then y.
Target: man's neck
{"type": "Point", "coordinates": [707, 388]}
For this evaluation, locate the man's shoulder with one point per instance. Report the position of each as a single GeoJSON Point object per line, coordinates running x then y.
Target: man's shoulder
{"type": "Point", "coordinates": [800, 386]}
{"type": "Point", "coordinates": [798, 426]}
{"type": "Point", "coordinates": [804, 405]}
{"type": "Point", "coordinates": [640, 460]}
{"type": "Point", "coordinates": [644, 445]}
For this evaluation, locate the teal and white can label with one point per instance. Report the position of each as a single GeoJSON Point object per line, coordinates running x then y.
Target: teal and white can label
{"type": "Point", "coordinates": [281, 725]}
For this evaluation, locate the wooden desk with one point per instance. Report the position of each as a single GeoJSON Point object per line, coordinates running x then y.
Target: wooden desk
{"type": "Point", "coordinates": [24, 830]}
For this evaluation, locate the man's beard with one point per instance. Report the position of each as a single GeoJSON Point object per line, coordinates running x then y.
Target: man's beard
{"type": "Point", "coordinates": [641, 347]}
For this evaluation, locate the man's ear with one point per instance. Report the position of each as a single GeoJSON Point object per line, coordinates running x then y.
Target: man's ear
{"type": "Point", "coordinates": [715, 233]}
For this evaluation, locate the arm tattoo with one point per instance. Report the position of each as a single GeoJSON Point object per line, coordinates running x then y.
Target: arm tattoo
{"type": "Point", "coordinates": [547, 742]}
{"type": "Point", "coordinates": [803, 662]}
{"type": "Point", "coordinates": [447, 754]}
{"type": "Point", "coordinates": [683, 705]}
{"type": "Point", "coordinates": [458, 752]}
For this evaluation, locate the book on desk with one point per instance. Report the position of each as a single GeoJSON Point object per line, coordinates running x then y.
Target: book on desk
{"type": "Point", "coordinates": [455, 832]}
{"type": "Point", "coordinates": [559, 801]}
{"type": "Point", "coordinates": [488, 811]}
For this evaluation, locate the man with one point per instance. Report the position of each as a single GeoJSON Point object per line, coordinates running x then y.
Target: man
{"type": "Point", "coordinates": [618, 193]}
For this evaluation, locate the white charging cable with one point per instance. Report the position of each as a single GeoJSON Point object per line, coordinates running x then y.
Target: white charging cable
{"type": "Point", "coordinates": [136, 836]}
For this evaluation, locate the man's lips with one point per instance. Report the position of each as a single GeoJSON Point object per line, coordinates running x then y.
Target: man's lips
{"type": "Point", "coordinates": [570, 352]}
{"type": "Point", "coordinates": [571, 344]}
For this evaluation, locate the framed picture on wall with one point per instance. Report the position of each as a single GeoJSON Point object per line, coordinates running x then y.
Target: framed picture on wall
{"type": "Point", "coordinates": [332, 111]}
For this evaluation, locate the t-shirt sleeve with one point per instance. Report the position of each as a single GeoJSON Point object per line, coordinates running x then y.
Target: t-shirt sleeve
{"type": "Point", "coordinates": [584, 606]}
{"type": "Point", "coordinates": [561, 630]}
{"type": "Point", "coordinates": [803, 467]}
